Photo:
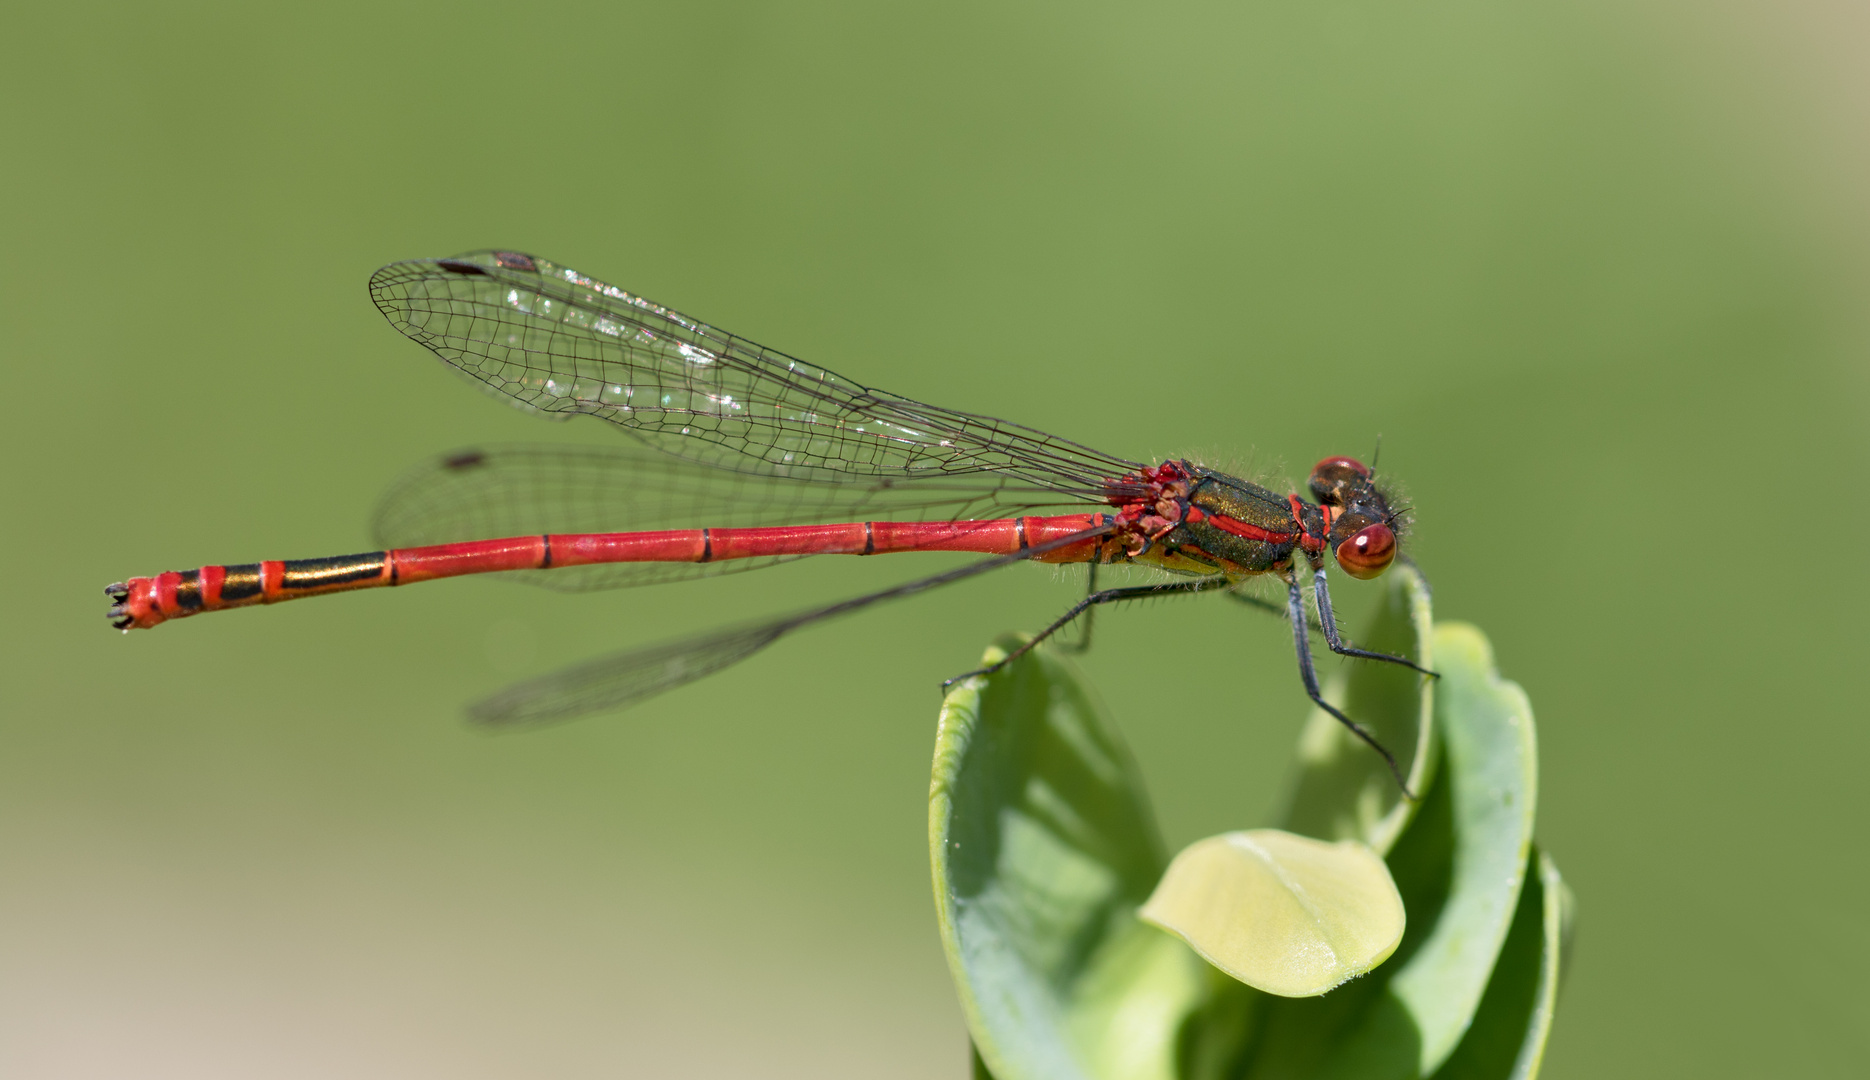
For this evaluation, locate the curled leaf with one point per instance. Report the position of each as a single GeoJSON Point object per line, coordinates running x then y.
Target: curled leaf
{"type": "Point", "coordinates": [1460, 865]}
{"type": "Point", "coordinates": [1509, 1032]}
{"type": "Point", "coordinates": [1043, 846]}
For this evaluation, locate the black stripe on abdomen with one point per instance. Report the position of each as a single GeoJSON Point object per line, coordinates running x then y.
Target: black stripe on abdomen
{"type": "Point", "coordinates": [241, 583]}
{"type": "Point", "coordinates": [188, 591]}
{"type": "Point", "coordinates": [301, 574]}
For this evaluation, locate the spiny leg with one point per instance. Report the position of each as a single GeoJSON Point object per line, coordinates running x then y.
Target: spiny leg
{"type": "Point", "coordinates": [1267, 606]}
{"type": "Point", "coordinates": [1108, 596]}
{"type": "Point", "coordinates": [1329, 623]}
{"type": "Point", "coordinates": [1295, 606]}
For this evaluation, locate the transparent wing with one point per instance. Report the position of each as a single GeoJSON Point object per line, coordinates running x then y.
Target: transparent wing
{"type": "Point", "coordinates": [489, 492]}
{"type": "Point", "coordinates": [559, 342]}
{"type": "Point", "coordinates": [613, 682]}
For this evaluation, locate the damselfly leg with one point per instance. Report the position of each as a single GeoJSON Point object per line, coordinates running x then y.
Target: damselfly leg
{"type": "Point", "coordinates": [1091, 603]}
{"type": "Point", "coordinates": [1329, 624]}
{"type": "Point", "coordinates": [1261, 604]}
{"type": "Point", "coordinates": [1295, 609]}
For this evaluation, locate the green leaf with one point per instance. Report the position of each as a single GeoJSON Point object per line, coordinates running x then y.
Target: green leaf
{"type": "Point", "coordinates": [1344, 790]}
{"type": "Point", "coordinates": [977, 1069]}
{"type": "Point", "coordinates": [1459, 866]}
{"type": "Point", "coordinates": [1043, 847]}
{"type": "Point", "coordinates": [1507, 1038]}
{"type": "Point", "coordinates": [1493, 780]}
{"type": "Point", "coordinates": [1283, 913]}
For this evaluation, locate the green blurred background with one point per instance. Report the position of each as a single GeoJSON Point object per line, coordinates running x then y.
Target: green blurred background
{"type": "Point", "coordinates": [1595, 272]}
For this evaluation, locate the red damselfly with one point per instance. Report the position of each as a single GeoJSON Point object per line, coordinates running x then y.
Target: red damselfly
{"type": "Point", "coordinates": [738, 457]}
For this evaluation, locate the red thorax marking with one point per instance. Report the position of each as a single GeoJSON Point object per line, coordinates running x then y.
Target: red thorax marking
{"type": "Point", "coordinates": [1239, 528]}
{"type": "Point", "coordinates": [1312, 544]}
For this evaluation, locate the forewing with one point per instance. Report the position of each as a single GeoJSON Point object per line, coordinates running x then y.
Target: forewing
{"type": "Point", "coordinates": [562, 343]}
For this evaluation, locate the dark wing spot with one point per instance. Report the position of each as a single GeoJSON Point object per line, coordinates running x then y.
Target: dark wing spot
{"type": "Point", "coordinates": [513, 260]}
{"type": "Point", "coordinates": [456, 266]}
{"type": "Point", "coordinates": [466, 460]}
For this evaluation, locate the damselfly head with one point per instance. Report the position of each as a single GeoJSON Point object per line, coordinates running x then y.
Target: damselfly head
{"type": "Point", "coordinates": [1364, 531]}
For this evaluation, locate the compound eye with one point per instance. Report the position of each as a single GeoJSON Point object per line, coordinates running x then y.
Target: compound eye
{"type": "Point", "coordinates": [1334, 468]}
{"type": "Point", "coordinates": [1368, 552]}
{"type": "Point", "coordinates": [1336, 479]}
